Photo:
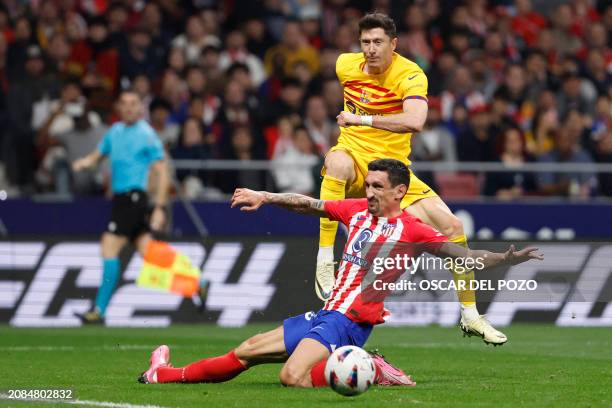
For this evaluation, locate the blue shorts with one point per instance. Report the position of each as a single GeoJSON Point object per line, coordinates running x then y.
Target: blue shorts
{"type": "Point", "coordinates": [328, 327]}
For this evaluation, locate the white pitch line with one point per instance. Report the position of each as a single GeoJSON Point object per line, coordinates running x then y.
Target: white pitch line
{"type": "Point", "coordinates": [90, 403]}
{"type": "Point", "coordinates": [72, 348]}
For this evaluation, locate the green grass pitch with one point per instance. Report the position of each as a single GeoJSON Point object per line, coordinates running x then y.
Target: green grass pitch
{"type": "Point", "coordinates": [540, 366]}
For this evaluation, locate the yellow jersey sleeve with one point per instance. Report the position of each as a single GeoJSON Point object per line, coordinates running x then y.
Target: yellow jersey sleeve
{"type": "Point", "coordinates": [344, 64]}
{"type": "Point", "coordinates": [414, 86]}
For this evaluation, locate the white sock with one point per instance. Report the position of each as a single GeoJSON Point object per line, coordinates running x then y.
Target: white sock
{"type": "Point", "coordinates": [325, 254]}
{"type": "Point", "coordinates": [470, 312]}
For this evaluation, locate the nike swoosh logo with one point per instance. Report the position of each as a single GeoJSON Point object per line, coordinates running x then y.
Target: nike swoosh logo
{"type": "Point", "coordinates": [412, 77]}
{"type": "Point", "coordinates": [426, 191]}
{"type": "Point", "coordinates": [325, 294]}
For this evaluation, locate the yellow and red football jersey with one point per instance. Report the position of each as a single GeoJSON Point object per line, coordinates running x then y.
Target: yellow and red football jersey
{"type": "Point", "coordinates": [381, 94]}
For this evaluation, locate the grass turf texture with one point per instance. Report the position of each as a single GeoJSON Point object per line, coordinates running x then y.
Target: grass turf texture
{"type": "Point", "coordinates": [541, 365]}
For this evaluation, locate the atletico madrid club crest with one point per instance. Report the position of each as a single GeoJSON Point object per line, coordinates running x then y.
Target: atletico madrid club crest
{"type": "Point", "coordinates": [387, 230]}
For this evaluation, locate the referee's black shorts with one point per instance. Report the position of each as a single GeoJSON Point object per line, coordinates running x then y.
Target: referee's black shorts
{"type": "Point", "coordinates": [130, 214]}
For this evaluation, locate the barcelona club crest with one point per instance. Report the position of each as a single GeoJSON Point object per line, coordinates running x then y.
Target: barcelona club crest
{"type": "Point", "coordinates": [364, 97]}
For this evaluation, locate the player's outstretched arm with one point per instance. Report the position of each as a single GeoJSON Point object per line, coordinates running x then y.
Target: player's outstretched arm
{"type": "Point", "coordinates": [410, 120]}
{"type": "Point", "coordinates": [490, 259]}
{"type": "Point", "coordinates": [87, 162]}
{"type": "Point", "coordinates": [249, 201]}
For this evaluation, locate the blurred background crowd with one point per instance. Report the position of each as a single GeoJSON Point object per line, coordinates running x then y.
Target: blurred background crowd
{"type": "Point", "coordinates": [511, 82]}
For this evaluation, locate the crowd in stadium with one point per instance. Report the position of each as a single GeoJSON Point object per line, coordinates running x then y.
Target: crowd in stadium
{"type": "Point", "coordinates": [509, 81]}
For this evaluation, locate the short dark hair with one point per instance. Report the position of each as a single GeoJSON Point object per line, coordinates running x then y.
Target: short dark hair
{"type": "Point", "coordinates": [160, 103]}
{"type": "Point", "coordinates": [378, 20]}
{"type": "Point", "coordinates": [396, 170]}
{"type": "Point", "coordinates": [129, 91]}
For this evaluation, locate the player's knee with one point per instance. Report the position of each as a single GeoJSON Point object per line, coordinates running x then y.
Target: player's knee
{"type": "Point", "coordinates": [289, 376]}
{"type": "Point", "coordinates": [453, 227]}
{"type": "Point", "coordinates": [339, 166]}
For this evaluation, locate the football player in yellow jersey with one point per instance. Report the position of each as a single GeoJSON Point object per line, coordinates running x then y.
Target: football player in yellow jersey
{"type": "Point", "coordinates": [385, 102]}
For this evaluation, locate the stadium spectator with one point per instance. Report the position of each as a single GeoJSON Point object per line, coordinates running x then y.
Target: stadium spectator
{"type": "Point", "coordinates": [96, 58]}
{"type": "Point", "coordinates": [527, 23]}
{"type": "Point", "coordinates": [565, 41]}
{"type": "Point", "coordinates": [58, 53]}
{"type": "Point", "coordinates": [17, 51]}
{"type": "Point", "coordinates": [538, 77]}
{"type": "Point", "coordinates": [243, 148]}
{"type": "Point", "coordinates": [461, 91]}
{"type": "Point", "coordinates": [152, 20]}
{"type": "Point", "coordinates": [540, 137]}
{"type": "Point", "coordinates": [195, 39]}
{"type": "Point", "coordinates": [603, 153]}
{"type": "Point", "coordinates": [234, 112]}
{"type": "Point", "coordinates": [258, 37]}
{"type": "Point", "coordinates": [324, 132]}
{"type": "Point", "coordinates": [117, 16]}
{"type": "Point", "coordinates": [192, 146]}
{"type": "Point", "coordinates": [477, 141]}
{"type": "Point", "coordinates": [159, 113]}
{"type": "Point", "coordinates": [332, 95]}
{"type": "Point", "coordinates": [293, 49]}
{"type": "Point", "coordinates": [288, 104]}
{"type": "Point", "coordinates": [514, 90]}
{"type": "Point", "coordinates": [141, 84]}
{"type": "Point", "coordinates": [236, 51]}
{"type": "Point", "coordinates": [294, 157]}
{"type": "Point", "coordinates": [435, 143]}
{"type": "Point", "coordinates": [415, 44]}
{"type": "Point", "coordinates": [598, 75]}
{"type": "Point", "coordinates": [48, 23]}
{"type": "Point", "coordinates": [176, 60]}
{"type": "Point", "coordinates": [440, 72]}
{"type": "Point", "coordinates": [344, 39]}
{"type": "Point", "coordinates": [572, 184]}
{"type": "Point", "coordinates": [572, 94]}
{"type": "Point", "coordinates": [68, 143]}
{"type": "Point", "coordinates": [138, 56]}
{"type": "Point", "coordinates": [517, 183]}
{"type": "Point", "coordinates": [209, 61]}
{"type": "Point", "coordinates": [240, 73]}
{"type": "Point", "coordinates": [22, 97]}
{"type": "Point", "coordinates": [483, 78]}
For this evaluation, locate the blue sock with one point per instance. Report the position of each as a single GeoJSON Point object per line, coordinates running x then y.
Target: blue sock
{"type": "Point", "coordinates": [110, 277]}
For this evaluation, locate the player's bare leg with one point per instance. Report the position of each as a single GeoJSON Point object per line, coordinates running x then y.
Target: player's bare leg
{"type": "Point", "coordinates": [263, 348]}
{"type": "Point", "coordinates": [297, 370]}
{"type": "Point", "coordinates": [111, 246]}
{"type": "Point", "coordinates": [433, 211]}
{"type": "Point", "coordinates": [339, 172]}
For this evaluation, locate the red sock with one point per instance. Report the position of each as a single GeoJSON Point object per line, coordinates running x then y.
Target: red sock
{"type": "Point", "coordinates": [215, 369]}
{"type": "Point", "coordinates": [317, 374]}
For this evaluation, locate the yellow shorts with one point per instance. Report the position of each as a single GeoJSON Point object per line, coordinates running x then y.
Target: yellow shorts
{"type": "Point", "coordinates": [417, 189]}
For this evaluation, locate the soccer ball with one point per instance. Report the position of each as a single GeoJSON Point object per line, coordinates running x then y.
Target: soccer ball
{"type": "Point", "coordinates": [350, 371]}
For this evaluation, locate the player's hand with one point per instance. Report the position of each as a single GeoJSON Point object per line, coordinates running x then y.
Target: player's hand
{"type": "Point", "coordinates": [345, 119]}
{"type": "Point", "coordinates": [247, 200]}
{"type": "Point", "coordinates": [80, 164]}
{"type": "Point", "coordinates": [514, 257]}
{"type": "Point", "coordinates": [158, 218]}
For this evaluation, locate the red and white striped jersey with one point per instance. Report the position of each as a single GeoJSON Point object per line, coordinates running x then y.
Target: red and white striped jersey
{"type": "Point", "coordinates": [369, 233]}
